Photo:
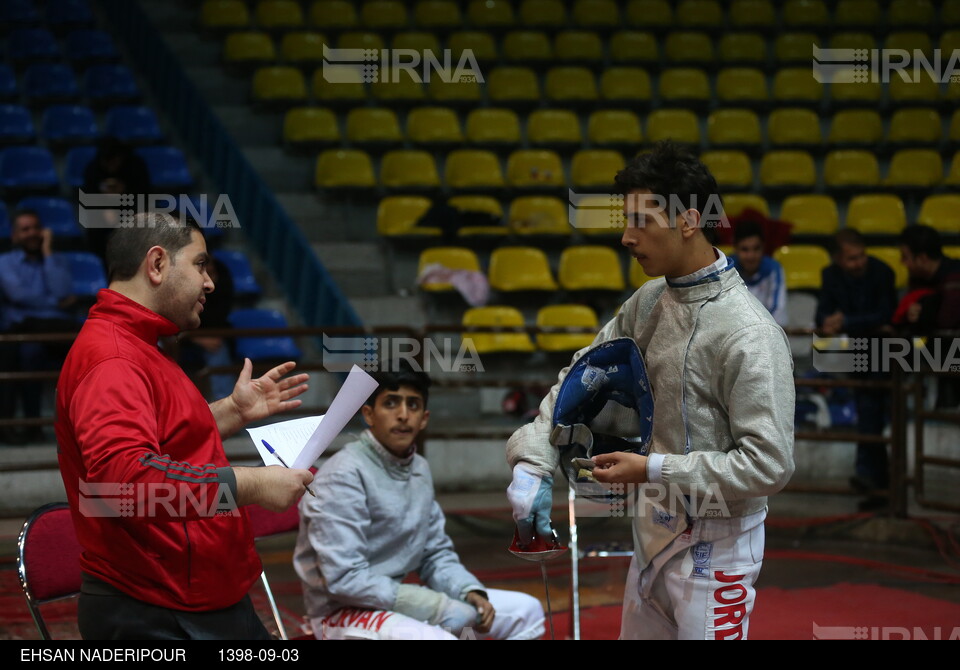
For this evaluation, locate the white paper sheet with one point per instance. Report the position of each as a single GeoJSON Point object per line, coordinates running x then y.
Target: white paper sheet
{"type": "Point", "coordinates": [287, 438]}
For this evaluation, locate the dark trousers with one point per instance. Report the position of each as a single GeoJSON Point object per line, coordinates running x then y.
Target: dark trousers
{"type": "Point", "coordinates": [871, 462]}
{"type": "Point", "coordinates": [37, 357]}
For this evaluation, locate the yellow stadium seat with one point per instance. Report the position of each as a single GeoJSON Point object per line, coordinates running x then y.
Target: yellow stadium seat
{"type": "Point", "coordinates": [538, 215]}
{"type": "Point", "coordinates": [811, 214]}
{"type": "Point", "coordinates": [788, 169]}
{"type": "Point", "coordinates": [554, 127]}
{"type": "Point", "coordinates": [631, 46]}
{"type": "Point", "coordinates": [950, 13]}
{"type": "Point", "coordinates": [857, 14]}
{"type": "Point", "coordinates": [915, 168]}
{"type": "Point", "coordinates": [310, 127]}
{"type": "Point", "coordinates": [476, 319]}
{"type": "Point", "coordinates": [915, 127]}
{"type": "Point", "coordinates": [909, 41]}
{"type": "Point", "coordinates": [512, 86]}
{"type": "Point", "coordinates": [408, 169]}
{"type": "Point", "coordinates": [397, 216]}
{"type": "Point", "coordinates": [437, 15]}
{"type": "Point", "coordinates": [248, 48]}
{"type": "Point", "coordinates": [595, 168]}
{"type": "Point", "coordinates": [877, 214]}
{"type": "Point", "coordinates": [570, 85]}
{"type": "Point", "coordinates": [464, 93]}
{"type": "Point", "coordinates": [795, 47]}
{"type": "Point", "coordinates": [336, 85]}
{"type": "Point", "coordinates": [891, 256]}
{"type": "Point", "coordinates": [734, 204]}
{"type": "Point", "coordinates": [542, 14]}
{"type": "Point", "coordinates": [748, 49]}
{"type": "Point", "coordinates": [454, 258]}
{"type": "Point", "coordinates": [949, 42]}
{"type": "Point", "coordinates": [649, 14]}
{"type": "Point", "coordinates": [941, 212]}
{"type": "Point", "coordinates": [637, 276]}
{"type": "Point", "coordinates": [911, 13]}
{"type": "Point", "coordinates": [614, 127]}
{"type": "Point", "coordinates": [793, 86]}
{"type": "Point", "coordinates": [417, 41]}
{"type": "Point", "coordinates": [520, 269]}
{"type": "Point", "coordinates": [731, 169]}
{"type": "Point", "coordinates": [685, 48]}
{"type": "Point", "coordinates": [805, 14]}
{"type": "Point", "coordinates": [802, 265]}
{"type": "Point", "coordinates": [360, 39]}
{"type": "Point", "coordinates": [367, 127]}
{"type": "Point", "coordinates": [627, 85]}
{"type": "Point", "coordinates": [279, 84]}
{"type": "Point", "coordinates": [302, 48]}
{"type": "Point", "coordinates": [581, 47]}
{"type": "Point", "coordinates": [479, 43]}
{"type": "Point", "coordinates": [434, 126]}
{"type": "Point", "coordinates": [851, 169]}
{"type": "Point", "coordinates": [754, 14]}
{"type": "Point", "coordinates": [953, 176]}
{"type": "Point", "coordinates": [490, 14]}
{"type": "Point", "coordinates": [334, 15]}
{"type": "Point", "coordinates": [496, 127]}
{"type": "Point", "coordinates": [602, 14]}
{"type": "Point", "coordinates": [699, 15]}
{"type": "Point", "coordinates": [344, 168]}
{"type": "Point", "coordinates": [684, 86]}
{"type": "Point", "coordinates": [921, 90]}
{"type": "Point", "coordinates": [679, 125]}
{"type": "Point", "coordinates": [554, 319]}
{"type": "Point", "coordinates": [742, 86]}
{"type": "Point", "coordinates": [535, 169]}
{"type": "Point", "coordinates": [952, 94]}
{"type": "Point", "coordinates": [852, 41]}
{"type": "Point", "coordinates": [794, 127]}
{"type": "Point", "coordinates": [473, 169]}
{"type": "Point", "coordinates": [400, 89]}
{"type": "Point", "coordinates": [279, 15]}
{"type": "Point", "coordinates": [734, 128]}
{"type": "Point", "coordinates": [590, 268]}
{"type": "Point", "coordinates": [224, 14]}
{"type": "Point", "coordinates": [527, 47]}
{"type": "Point", "coordinates": [855, 127]}
{"type": "Point", "coordinates": [856, 93]}
{"type": "Point", "coordinates": [383, 15]}
{"type": "Point", "coordinates": [477, 203]}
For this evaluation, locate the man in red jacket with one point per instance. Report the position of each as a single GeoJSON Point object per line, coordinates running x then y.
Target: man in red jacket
{"type": "Point", "coordinates": [167, 549]}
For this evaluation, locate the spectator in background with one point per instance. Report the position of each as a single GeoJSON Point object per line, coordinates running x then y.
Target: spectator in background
{"type": "Point", "coordinates": [857, 299]}
{"type": "Point", "coordinates": [36, 291]}
{"type": "Point", "coordinates": [208, 351]}
{"type": "Point", "coordinates": [761, 273]}
{"type": "Point", "coordinates": [933, 300]}
{"type": "Point", "coordinates": [117, 169]}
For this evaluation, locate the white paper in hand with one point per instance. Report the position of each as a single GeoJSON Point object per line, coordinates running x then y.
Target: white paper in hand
{"type": "Point", "coordinates": [287, 438]}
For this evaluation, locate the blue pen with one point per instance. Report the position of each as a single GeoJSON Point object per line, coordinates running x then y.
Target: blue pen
{"type": "Point", "coordinates": [284, 463]}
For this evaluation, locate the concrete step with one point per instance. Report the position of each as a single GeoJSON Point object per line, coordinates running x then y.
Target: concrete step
{"type": "Point", "coordinates": [358, 268]}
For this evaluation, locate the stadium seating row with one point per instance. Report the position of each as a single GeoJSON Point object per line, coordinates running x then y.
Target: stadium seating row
{"type": "Point", "coordinates": [48, 83]}
{"type": "Point", "coordinates": [64, 125]}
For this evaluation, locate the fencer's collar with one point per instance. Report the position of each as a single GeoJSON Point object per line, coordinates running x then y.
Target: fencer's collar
{"type": "Point", "coordinates": [394, 464]}
{"type": "Point", "coordinates": [707, 283]}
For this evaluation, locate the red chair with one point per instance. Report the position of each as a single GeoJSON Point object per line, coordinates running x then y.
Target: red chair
{"type": "Point", "coordinates": [48, 559]}
{"type": "Point", "coordinates": [266, 524]}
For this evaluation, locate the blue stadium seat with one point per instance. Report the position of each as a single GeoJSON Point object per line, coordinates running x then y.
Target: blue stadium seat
{"type": "Point", "coordinates": [18, 13]}
{"type": "Point", "coordinates": [167, 167]}
{"type": "Point", "coordinates": [69, 13]}
{"type": "Point", "coordinates": [105, 84]}
{"type": "Point", "coordinates": [27, 168]}
{"type": "Point", "coordinates": [8, 83]}
{"type": "Point", "coordinates": [75, 164]}
{"type": "Point", "coordinates": [16, 125]}
{"type": "Point", "coordinates": [244, 283]}
{"type": "Point", "coordinates": [90, 45]}
{"type": "Point", "coordinates": [45, 82]}
{"type": "Point", "coordinates": [4, 223]}
{"type": "Point", "coordinates": [56, 214]}
{"type": "Point", "coordinates": [132, 124]}
{"type": "Point", "coordinates": [263, 348]}
{"type": "Point", "coordinates": [31, 44]}
{"type": "Point", "coordinates": [87, 272]}
{"type": "Point", "coordinates": [69, 124]}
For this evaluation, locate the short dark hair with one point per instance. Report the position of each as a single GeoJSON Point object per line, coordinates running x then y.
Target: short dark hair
{"type": "Point", "coordinates": [921, 239]}
{"type": "Point", "coordinates": [849, 236]}
{"type": "Point", "coordinates": [668, 169]}
{"type": "Point", "coordinates": [405, 376]}
{"type": "Point", "coordinates": [746, 230]}
{"type": "Point", "coordinates": [23, 211]}
{"type": "Point", "coordinates": [127, 246]}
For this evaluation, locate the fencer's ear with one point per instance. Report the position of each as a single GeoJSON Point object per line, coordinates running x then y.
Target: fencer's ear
{"type": "Point", "coordinates": [689, 222]}
{"type": "Point", "coordinates": [155, 264]}
{"type": "Point", "coordinates": [424, 420]}
{"type": "Point", "coordinates": [366, 411]}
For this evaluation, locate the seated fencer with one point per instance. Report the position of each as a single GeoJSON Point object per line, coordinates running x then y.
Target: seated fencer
{"type": "Point", "coordinates": [375, 520]}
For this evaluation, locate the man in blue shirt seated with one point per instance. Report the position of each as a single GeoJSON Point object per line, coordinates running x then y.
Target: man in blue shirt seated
{"type": "Point", "coordinates": [762, 275]}
{"type": "Point", "coordinates": [35, 295]}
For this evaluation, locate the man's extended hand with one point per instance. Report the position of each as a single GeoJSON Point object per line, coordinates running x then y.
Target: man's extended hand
{"type": "Point", "coordinates": [620, 467]}
{"type": "Point", "coordinates": [485, 611]}
{"type": "Point", "coordinates": [265, 396]}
